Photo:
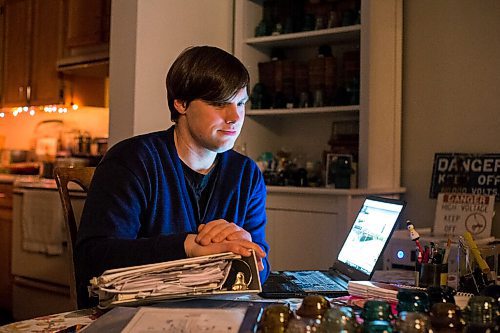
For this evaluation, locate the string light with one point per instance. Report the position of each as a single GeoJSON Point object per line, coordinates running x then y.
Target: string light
{"type": "Point", "coordinates": [33, 110]}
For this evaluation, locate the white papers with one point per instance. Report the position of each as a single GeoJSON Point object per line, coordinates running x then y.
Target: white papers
{"type": "Point", "coordinates": [172, 279]}
{"type": "Point", "coordinates": [176, 320]}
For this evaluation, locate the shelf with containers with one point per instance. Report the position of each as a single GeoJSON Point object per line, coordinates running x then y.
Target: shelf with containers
{"type": "Point", "coordinates": [306, 130]}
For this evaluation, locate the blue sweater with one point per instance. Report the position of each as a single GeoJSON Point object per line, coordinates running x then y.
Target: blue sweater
{"type": "Point", "coordinates": [138, 210]}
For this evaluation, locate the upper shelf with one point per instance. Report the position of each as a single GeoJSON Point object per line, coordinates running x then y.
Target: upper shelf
{"type": "Point", "coordinates": [324, 109]}
{"type": "Point", "coordinates": [312, 38]}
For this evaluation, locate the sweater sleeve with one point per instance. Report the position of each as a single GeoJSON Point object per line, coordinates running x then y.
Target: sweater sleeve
{"type": "Point", "coordinates": [109, 234]}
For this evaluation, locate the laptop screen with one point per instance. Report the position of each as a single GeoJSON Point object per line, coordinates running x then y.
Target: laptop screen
{"type": "Point", "coordinates": [370, 232]}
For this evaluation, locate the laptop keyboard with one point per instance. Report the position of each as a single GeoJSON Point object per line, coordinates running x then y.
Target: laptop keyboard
{"type": "Point", "coordinates": [315, 281]}
{"type": "Point", "coordinates": [281, 284]}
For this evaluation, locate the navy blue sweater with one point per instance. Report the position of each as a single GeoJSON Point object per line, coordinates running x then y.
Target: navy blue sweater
{"type": "Point", "coordinates": [138, 210]}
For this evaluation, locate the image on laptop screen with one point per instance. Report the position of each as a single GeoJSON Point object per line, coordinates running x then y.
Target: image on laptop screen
{"type": "Point", "coordinates": [369, 234]}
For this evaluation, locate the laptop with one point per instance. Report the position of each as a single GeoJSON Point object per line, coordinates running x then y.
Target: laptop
{"type": "Point", "coordinates": [365, 242]}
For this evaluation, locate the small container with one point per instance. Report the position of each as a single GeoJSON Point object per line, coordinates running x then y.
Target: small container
{"type": "Point", "coordinates": [338, 319]}
{"type": "Point", "coordinates": [442, 294]}
{"type": "Point", "coordinates": [376, 310]}
{"type": "Point", "coordinates": [481, 312]}
{"type": "Point", "coordinates": [433, 275]}
{"type": "Point", "coordinates": [313, 306]}
{"type": "Point", "coordinates": [412, 300]}
{"type": "Point", "coordinates": [413, 322]}
{"type": "Point", "coordinates": [275, 319]}
{"type": "Point", "coordinates": [446, 317]}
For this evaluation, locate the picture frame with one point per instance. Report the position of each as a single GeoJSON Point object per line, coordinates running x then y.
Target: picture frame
{"type": "Point", "coordinates": [339, 168]}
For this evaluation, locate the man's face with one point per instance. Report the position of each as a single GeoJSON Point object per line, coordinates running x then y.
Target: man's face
{"type": "Point", "coordinates": [216, 127]}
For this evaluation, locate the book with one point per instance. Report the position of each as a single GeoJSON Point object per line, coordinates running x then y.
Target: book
{"type": "Point", "coordinates": [389, 291]}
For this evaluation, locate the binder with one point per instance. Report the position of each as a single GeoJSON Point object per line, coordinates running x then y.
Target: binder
{"type": "Point", "coordinates": [211, 275]}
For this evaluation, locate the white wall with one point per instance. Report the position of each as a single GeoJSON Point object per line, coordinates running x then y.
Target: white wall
{"type": "Point", "coordinates": [146, 37]}
{"type": "Point", "coordinates": [451, 89]}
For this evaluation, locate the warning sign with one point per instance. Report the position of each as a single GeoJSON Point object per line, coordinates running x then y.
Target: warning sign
{"type": "Point", "coordinates": [466, 173]}
{"type": "Point", "coordinates": [457, 213]}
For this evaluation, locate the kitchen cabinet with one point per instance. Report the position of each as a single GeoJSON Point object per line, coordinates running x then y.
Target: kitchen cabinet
{"type": "Point", "coordinates": [5, 246]}
{"type": "Point", "coordinates": [306, 226]}
{"type": "Point", "coordinates": [30, 52]}
{"type": "Point", "coordinates": [88, 23]}
{"type": "Point", "coordinates": [86, 28]}
{"type": "Point", "coordinates": [2, 26]}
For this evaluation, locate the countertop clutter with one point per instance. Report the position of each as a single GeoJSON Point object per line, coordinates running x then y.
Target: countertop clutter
{"type": "Point", "coordinates": [33, 182]}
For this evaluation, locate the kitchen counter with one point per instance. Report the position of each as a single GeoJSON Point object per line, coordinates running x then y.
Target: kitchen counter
{"type": "Point", "coordinates": [34, 182]}
{"type": "Point", "coordinates": [6, 178]}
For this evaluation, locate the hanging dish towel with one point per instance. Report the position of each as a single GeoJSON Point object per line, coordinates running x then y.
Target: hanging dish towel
{"type": "Point", "coordinates": [43, 226]}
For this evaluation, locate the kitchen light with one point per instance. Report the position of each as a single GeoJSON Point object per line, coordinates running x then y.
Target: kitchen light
{"type": "Point", "coordinates": [33, 110]}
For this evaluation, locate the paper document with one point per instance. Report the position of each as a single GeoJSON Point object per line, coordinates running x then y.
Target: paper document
{"type": "Point", "coordinates": [184, 320]}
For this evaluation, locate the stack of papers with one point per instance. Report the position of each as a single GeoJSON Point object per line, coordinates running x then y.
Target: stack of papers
{"type": "Point", "coordinates": [169, 279]}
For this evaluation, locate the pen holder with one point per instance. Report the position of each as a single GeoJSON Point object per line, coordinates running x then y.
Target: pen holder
{"type": "Point", "coordinates": [433, 275]}
{"type": "Point", "coordinates": [471, 275]}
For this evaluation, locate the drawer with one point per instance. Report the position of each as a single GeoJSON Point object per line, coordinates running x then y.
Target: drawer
{"type": "Point", "coordinates": [5, 214]}
{"type": "Point", "coordinates": [6, 195]}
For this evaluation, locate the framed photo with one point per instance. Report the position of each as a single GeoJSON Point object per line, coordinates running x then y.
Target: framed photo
{"type": "Point", "coordinates": [338, 170]}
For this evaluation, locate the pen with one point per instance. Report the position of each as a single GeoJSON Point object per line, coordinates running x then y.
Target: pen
{"type": "Point", "coordinates": [414, 236]}
{"type": "Point", "coordinates": [425, 258]}
{"type": "Point", "coordinates": [432, 252]}
{"type": "Point", "coordinates": [475, 252]}
{"type": "Point", "coordinates": [447, 251]}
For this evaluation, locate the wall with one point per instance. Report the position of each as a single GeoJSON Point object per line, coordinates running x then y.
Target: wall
{"type": "Point", "coordinates": [20, 131]}
{"type": "Point", "coordinates": [451, 84]}
{"type": "Point", "coordinates": [146, 37]}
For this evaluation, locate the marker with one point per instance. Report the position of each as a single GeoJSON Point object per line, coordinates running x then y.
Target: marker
{"type": "Point", "coordinates": [447, 251]}
{"type": "Point", "coordinates": [475, 252]}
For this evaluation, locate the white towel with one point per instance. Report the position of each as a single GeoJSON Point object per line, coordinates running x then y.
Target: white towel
{"type": "Point", "coordinates": [43, 226]}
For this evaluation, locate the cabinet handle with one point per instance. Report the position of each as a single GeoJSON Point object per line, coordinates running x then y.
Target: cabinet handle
{"type": "Point", "coordinates": [20, 91]}
{"type": "Point", "coordinates": [28, 93]}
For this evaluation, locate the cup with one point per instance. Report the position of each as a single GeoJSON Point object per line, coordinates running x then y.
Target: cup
{"type": "Point", "coordinates": [433, 275]}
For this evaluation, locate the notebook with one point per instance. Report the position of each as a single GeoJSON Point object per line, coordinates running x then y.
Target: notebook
{"type": "Point", "coordinates": [356, 260]}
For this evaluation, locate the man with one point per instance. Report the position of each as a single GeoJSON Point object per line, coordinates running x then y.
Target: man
{"type": "Point", "coordinates": [181, 192]}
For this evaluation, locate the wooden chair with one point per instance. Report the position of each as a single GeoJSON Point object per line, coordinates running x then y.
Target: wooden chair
{"type": "Point", "coordinates": [82, 177]}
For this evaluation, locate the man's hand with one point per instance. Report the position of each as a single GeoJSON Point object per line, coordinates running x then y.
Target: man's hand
{"type": "Point", "coordinates": [219, 230]}
{"type": "Point", "coordinates": [239, 246]}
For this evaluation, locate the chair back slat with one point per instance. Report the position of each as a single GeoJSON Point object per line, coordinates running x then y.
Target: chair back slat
{"type": "Point", "coordinates": [82, 177]}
